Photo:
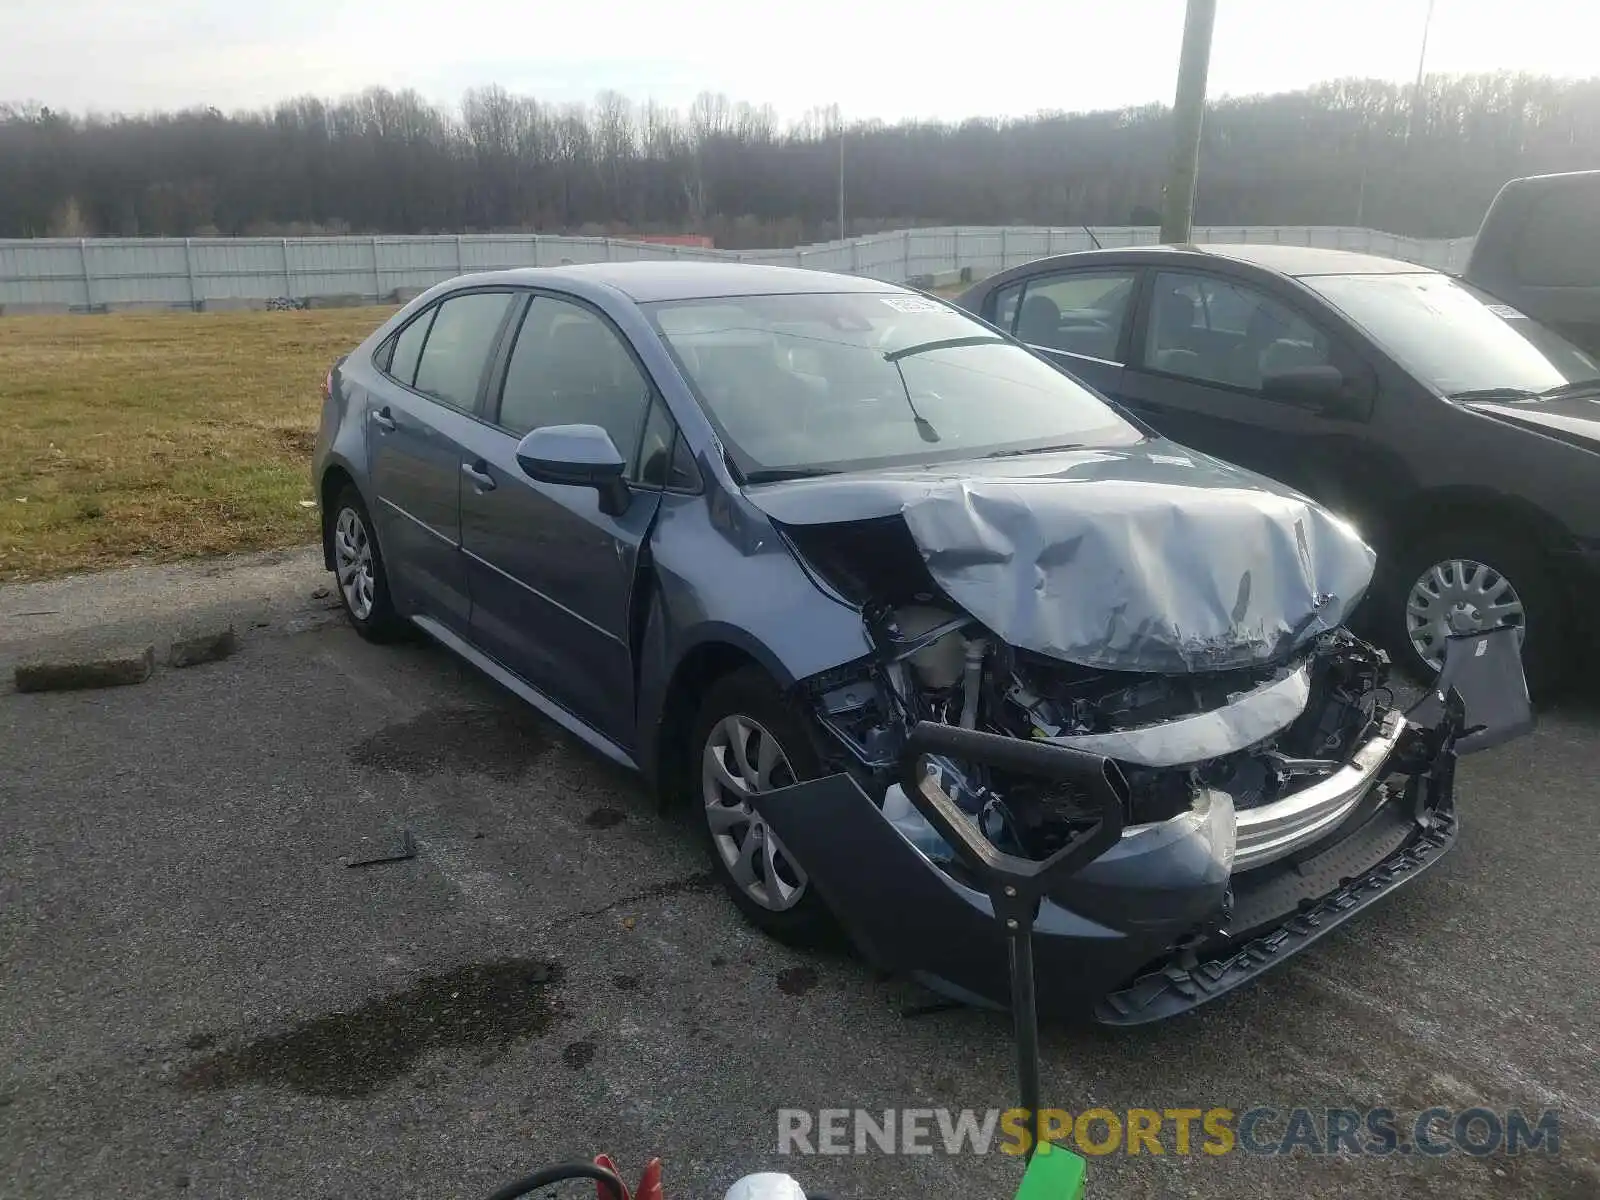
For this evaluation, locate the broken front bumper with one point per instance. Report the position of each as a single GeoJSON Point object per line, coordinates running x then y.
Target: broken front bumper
{"type": "Point", "coordinates": [1102, 940]}
{"type": "Point", "coordinates": [1167, 918]}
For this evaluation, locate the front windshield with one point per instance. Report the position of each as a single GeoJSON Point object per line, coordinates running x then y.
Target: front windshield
{"type": "Point", "coordinates": [1455, 337]}
{"type": "Point", "coordinates": [812, 383]}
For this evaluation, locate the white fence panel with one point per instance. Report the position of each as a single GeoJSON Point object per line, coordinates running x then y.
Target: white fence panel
{"type": "Point", "coordinates": [92, 273]}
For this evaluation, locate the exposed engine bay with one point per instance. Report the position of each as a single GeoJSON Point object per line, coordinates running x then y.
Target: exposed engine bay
{"type": "Point", "coordinates": [1257, 734]}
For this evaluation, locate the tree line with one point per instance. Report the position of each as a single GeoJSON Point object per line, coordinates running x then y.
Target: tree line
{"type": "Point", "coordinates": [1347, 152]}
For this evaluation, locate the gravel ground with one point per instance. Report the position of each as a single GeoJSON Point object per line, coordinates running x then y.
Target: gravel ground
{"type": "Point", "coordinates": [198, 996]}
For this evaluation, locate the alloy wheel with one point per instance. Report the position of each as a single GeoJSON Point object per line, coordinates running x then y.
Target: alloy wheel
{"type": "Point", "coordinates": [742, 758]}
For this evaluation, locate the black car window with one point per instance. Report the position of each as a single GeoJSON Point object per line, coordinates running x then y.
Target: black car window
{"type": "Point", "coordinates": [1560, 244]}
{"type": "Point", "coordinates": [568, 367]}
{"type": "Point", "coordinates": [1080, 312]}
{"type": "Point", "coordinates": [1455, 337]}
{"type": "Point", "coordinates": [1217, 331]}
{"type": "Point", "coordinates": [457, 349]}
{"type": "Point", "coordinates": [1005, 306]}
{"type": "Point", "coordinates": [406, 348]}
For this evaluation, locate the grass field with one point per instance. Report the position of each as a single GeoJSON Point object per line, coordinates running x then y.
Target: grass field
{"type": "Point", "coordinates": [159, 436]}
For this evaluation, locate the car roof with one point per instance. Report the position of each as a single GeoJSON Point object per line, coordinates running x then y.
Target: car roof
{"type": "Point", "coordinates": [1293, 261]}
{"type": "Point", "coordinates": [1313, 260]}
{"type": "Point", "coordinates": [649, 281]}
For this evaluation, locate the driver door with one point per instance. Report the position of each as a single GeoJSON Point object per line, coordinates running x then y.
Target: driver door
{"type": "Point", "coordinates": [552, 575]}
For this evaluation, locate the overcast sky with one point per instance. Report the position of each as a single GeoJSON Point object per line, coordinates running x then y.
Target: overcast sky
{"type": "Point", "coordinates": [876, 58]}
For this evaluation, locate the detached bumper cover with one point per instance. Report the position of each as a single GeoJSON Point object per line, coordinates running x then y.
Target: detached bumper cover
{"type": "Point", "coordinates": [1176, 988]}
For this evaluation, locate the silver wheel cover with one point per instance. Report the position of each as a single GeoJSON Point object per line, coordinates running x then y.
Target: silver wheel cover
{"type": "Point", "coordinates": [1459, 596]}
{"type": "Point", "coordinates": [352, 561]}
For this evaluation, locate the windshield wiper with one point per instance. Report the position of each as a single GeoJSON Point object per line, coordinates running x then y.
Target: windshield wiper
{"type": "Point", "coordinates": [1496, 393]}
{"type": "Point", "coordinates": [943, 344]}
{"type": "Point", "coordinates": [925, 429]}
{"type": "Point", "coordinates": [779, 474]}
{"type": "Point", "coordinates": [1035, 450]}
{"type": "Point", "coordinates": [1576, 388]}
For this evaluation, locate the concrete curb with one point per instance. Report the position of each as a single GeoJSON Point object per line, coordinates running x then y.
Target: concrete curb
{"type": "Point", "coordinates": [206, 646]}
{"type": "Point", "coordinates": [116, 668]}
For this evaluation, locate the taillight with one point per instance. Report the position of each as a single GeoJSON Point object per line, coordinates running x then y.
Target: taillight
{"type": "Point", "coordinates": [327, 386]}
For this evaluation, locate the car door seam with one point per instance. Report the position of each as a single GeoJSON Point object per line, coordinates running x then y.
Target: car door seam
{"type": "Point", "coordinates": [481, 561]}
{"type": "Point", "coordinates": [415, 520]}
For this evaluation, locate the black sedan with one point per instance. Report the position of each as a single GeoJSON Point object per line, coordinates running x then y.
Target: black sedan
{"type": "Point", "coordinates": [1456, 433]}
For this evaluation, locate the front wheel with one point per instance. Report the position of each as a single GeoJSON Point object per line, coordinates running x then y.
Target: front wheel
{"type": "Point", "coordinates": [749, 739]}
{"type": "Point", "coordinates": [1448, 584]}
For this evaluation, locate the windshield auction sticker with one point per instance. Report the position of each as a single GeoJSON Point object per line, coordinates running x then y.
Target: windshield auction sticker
{"type": "Point", "coordinates": [1506, 311]}
{"type": "Point", "coordinates": [912, 304]}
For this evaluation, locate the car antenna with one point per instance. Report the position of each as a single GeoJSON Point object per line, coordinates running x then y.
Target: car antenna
{"type": "Point", "coordinates": [1094, 241]}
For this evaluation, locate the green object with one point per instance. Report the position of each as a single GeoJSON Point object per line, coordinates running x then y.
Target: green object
{"type": "Point", "coordinates": [1053, 1174]}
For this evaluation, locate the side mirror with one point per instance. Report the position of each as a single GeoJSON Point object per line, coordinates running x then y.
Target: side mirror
{"type": "Point", "coordinates": [579, 456]}
{"type": "Point", "coordinates": [1322, 388]}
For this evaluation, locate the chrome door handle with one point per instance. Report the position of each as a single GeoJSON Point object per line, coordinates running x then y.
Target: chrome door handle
{"type": "Point", "coordinates": [478, 472]}
{"type": "Point", "coordinates": [383, 420]}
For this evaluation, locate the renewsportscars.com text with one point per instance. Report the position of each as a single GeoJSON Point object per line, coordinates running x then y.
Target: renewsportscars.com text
{"type": "Point", "coordinates": [1263, 1130]}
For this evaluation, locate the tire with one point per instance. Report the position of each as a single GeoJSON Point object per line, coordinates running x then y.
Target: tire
{"type": "Point", "coordinates": [1501, 559]}
{"type": "Point", "coordinates": [364, 593]}
{"type": "Point", "coordinates": [748, 700]}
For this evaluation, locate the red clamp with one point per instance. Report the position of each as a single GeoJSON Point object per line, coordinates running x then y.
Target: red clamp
{"type": "Point", "coordinates": [649, 1183]}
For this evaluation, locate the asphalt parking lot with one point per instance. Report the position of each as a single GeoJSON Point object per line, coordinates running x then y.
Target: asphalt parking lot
{"type": "Point", "coordinates": [198, 996]}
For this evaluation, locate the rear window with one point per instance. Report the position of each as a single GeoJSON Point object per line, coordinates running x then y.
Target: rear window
{"type": "Point", "coordinates": [407, 348]}
{"type": "Point", "coordinates": [1560, 242]}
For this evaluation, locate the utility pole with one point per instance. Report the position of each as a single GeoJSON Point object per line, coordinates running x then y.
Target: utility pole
{"type": "Point", "coordinates": [1188, 112]}
{"type": "Point", "coordinates": [1414, 130]}
{"type": "Point", "coordinates": [841, 172]}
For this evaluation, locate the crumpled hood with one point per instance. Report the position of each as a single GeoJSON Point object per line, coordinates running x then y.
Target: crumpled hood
{"type": "Point", "coordinates": [1154, 558]}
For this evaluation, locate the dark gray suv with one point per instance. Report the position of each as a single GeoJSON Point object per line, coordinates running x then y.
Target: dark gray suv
{"type": "Point", "coordinates": [746, 529]}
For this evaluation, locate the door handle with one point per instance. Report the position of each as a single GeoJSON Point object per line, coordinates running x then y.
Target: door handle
{"type": "Point", "coordinates": [383, 420]}
{"type": "Point", "coordinates": [478, 472]}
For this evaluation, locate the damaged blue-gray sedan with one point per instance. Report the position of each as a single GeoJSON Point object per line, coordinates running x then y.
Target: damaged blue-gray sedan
{"type": "Point", "coordinates": [803, 547]}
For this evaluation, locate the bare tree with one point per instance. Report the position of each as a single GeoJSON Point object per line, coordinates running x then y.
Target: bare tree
{"type": "Point", "coordinates": [391, 162]}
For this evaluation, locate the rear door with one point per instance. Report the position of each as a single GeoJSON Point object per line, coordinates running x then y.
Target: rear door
{"type": "Point", "coordinates": [418, 416]}
{"type": "Point", "coordinates": [551, 575]}
{"type": "Point", "coordinates": [1201, 344]}
{"type": "Point", "coordinates": [1076, 318]}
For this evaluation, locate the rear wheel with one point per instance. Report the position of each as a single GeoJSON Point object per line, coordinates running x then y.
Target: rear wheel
{"type": "Point", "coordinates": [358, 566]}
{"type": "Point", "coordinates": [1454, 582]}
{"type": "Point", "coordinates": [749, 739]}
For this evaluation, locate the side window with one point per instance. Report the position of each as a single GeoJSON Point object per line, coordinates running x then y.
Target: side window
{"type": "Point", "coordinates": [684, 475]}
{"type": "Point", "coordinates": [457, 349]}
{"type": "Point", "coordinates": [1217, 331]}
{"type": "Point", "coordinates": [568, 367]}
{"type": "Point", "coordinates": [1080, 312]}
{"type": "Point", "coordinates": [655, 447]}
{"type": "Point", "coordinates": [664, 458]}
{"type": "Point", "coordinates": [407, 348]}
{"type": "Point", "coordinates": [1005, 306]}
